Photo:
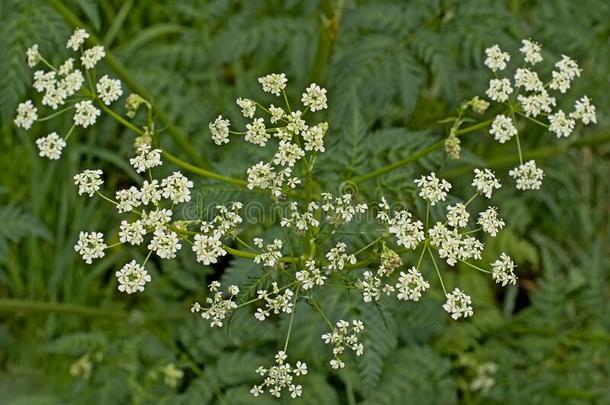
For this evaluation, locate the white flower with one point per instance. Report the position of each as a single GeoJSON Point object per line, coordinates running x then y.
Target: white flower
{"type": "Point", "coordinates": [279, 377]}
{"type": "Point", "coordinates": [132, 232]}
{"type": "Point", "coordinates": [247, 107]}
{"type": "Point", "coordinates": [91, 56]}
{"type": "Point", "coordinates": [128, 199]}
{"type": "Point", "coordinates": [499, 90]}
{"type": "Point", "coordinates": [311, 276]}
{"type": "Point", "coordinates": [165, 243]}
{"type": "Point", "coordinates": [371, 288]}
{"type": "Point", "coordinates": [44, 80]}
{"type": "Point", "coordinates": [86, 114]}
{"type": "Point", "coordinates": [220, 130]}
{"type": "Point", "coordinates": [208, 249]}
{"type": "Point", "coordinates": [562, 78]}
{"type": "Point", "coordinates": [26, 115]}
{"type": "Point", "coordinates": [457, 215]}
{"type": "Point", "coordinates": [485, 182]}
{"type": "Point", "coordinates": [496, 58]}
{"type": "Point", "coordinates": [150, 192]}
{"type": "Point", "coordinates": [261, 175]}
{"type": "Point", "coordinates": [177, 187]}
{"type": "Point", "coordinates": [453, 246]}
{"type": "Point", "coordinates": [277, 113]}
{"type": "Point", "coordinates": [314, 98]}
{"type": "Point", "coordinates": [531, 51]}
{"type": "Point", "coordinates": [296, 124]}
{"type": "Point", "coordinates": [503, 128]}
{"type": "Point", "coordinates": [560, 124]}
{"type": "Point", "coordinates": [432, 189]}
{"type": "Point", "coordinates": [568, 67]}
{"type": "Point", "coordinates": [528, 176]}
{"type": "Point", "coordinates": [146, 158]}
{"type": "Point", "coordinates": [273, 83]}
{"type": "Point", "coordinates": [90, 246]}
{"type": "Point", "coordinates": [108, 89]}
{"type": "Point", "coordinates": [584, 111]}
{"type": "Point", "coordinates": [295, 390]}
{"type": "Point", "coordinates": [534, 104]}
{"type": "Point", "coordinates": [256, 132]}
{"type": "Point", "coordinates": [314, 137]}
{"type": "Point", "coordinates": [458, 304]}
{"type": "Point", "coordinates": [337, 257]}
{"type": "Point", "coordinates": [88, 182]}
{"type": "Point", "coordinates": [342, 337]}
{"type": "Point", "coordinates": [288, 154]}
{"type": "Point", "coordinates": [66, 67]}
{"type": "Point", "coordinates": [32, 55]}
{"type": "Point", "coordinates": [157, 218]}
{"type": "Point", "coordinates": [528, 79]}
{"type": "Point", "coordinates": [408, 232]}
{"type": "Point", "coordinates": [490, 222]}
{"type": "Point", "coordinates": [77, 39]}
{"type": "Point", "coordinates": [132, 277]}
{"type": "Point", "coordinates": [411, 285]}
{"type": "Point", "coordinates": [50, 146]}
{"type": "Point", "coordinates": [219, 308]}
{"type": "Point", "coordinates": [503, 270]}
{"type": "Point", "coordinates": [72, 82]}
{"type": "Point", "coordinates": [272, 255]}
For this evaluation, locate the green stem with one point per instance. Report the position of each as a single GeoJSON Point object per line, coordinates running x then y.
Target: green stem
{"type": "Point", "coordinates": [416, 156]}
{"type": "Point", "coordinates": [421, 256]}
{"type": "Point", "coordinates": [369, 245]}
{"type": "Point", "coordinates": [539, 153]}
{"type": "Point", "coordinates": [331, 19]}
{"type": "Point", "coordinates": [203, 172]}
{"type": "Point", "coordinates": [249, 255]}
{"type": "Point", "coordinates": [438, 272]}
{"type": "Point", "coordinates": [294, 309]}
{"type": "Point", "coordinates": [48, 117]}
{"type": "Point", "coordinates": [475, 267]}
{"type": "Point", "coordinates": [317, 307]}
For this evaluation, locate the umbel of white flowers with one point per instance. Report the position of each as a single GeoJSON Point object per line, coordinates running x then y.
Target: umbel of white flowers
{"type": "Point", "coordinates": [527, 97]}
{"type": "Point", "coordinates": [298, 138]}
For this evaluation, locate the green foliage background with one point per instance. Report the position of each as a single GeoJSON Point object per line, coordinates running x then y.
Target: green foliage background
{"type": "Point", "coordinates": [393, 68]}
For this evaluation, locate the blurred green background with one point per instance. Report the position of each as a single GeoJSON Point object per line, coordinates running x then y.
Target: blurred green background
{"type": "Point", "coordinates": [67, 336]}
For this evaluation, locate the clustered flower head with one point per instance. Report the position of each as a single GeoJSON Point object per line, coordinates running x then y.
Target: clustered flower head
{"type": "Point", "coordinates": [503, 270]}
{"type": "Point", "coordinates": [277, 301]}
{"type": "Point", "coordinates": [432, 189]}
{"type": "Point", "coordinates": [297, 140]}
{"type": "Point", "coordinates": [343, 336]}
{"type": "Point", "coordinates": [411, 285]}
{"type": "Point", "coordinates": [279, 377]}
{"type": "Point", "coordinates": [132, 277]}
{"type": "Point", "coordinates": [458, 304]}
{"type": "Point", "coordinates": [527, 96]}
{"type": "Point", "coordinates": [65, 87]}
{"type": "Point", "coordinates": [219, 306]}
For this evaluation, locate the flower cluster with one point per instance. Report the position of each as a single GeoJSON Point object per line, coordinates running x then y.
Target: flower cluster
{"type": "Point", "coordinates": [66, 86]}
{"type": "Point", "coordinates": [341, 337]}
{"type": "Point", "coordinates": [297, 140]}
{"type": "Point", "coordinates": [219, 306]}
{"type": "Point", "coordinates": [458, 304]}
{"type": "Point", "coordinates": [279, 377]}
{"type": "Point", "coordinates": [527, 96]}
{"type": "Point", "coordinates": [276, 301]}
